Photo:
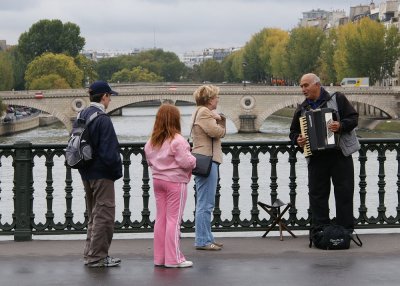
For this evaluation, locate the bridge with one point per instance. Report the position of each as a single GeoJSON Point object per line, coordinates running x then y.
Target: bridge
{"type": "Point", "coordinates": [247, 107]}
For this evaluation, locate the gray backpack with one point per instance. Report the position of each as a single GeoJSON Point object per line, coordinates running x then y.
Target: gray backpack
{"type": "Point", "coordinates": [79, 153]}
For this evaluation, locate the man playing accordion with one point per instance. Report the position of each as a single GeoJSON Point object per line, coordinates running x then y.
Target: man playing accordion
{"type": "Point", "coordinates": [333, 163]}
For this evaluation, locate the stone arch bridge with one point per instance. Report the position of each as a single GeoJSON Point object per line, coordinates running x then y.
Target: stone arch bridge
{"type": "Point", "coordinates": [247, 107]}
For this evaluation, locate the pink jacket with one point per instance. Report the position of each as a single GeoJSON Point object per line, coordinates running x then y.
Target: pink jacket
{"type": "Point", "coordinates": [173, 162]}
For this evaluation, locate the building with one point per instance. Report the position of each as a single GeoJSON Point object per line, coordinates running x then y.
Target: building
{"type": "Point", "coordinates": [323, 19]}
{"type": "Point", "coordinates": [98, 55]}
{"type": "Point", "coordinates": [3, 45]}
{"type": "Point", "coordinates": [193, 58]}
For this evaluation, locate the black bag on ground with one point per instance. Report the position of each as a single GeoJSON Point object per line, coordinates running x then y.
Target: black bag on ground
{"type": "Point", "coordinates": [332, 237]}
{"type": "Point", "coordinates": [79, 153]}
{"type": "Point", "coordinates": [203, 165]}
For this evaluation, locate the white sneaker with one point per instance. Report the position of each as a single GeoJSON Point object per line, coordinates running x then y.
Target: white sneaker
{"type": "Point", "coordinates": [183, 264]}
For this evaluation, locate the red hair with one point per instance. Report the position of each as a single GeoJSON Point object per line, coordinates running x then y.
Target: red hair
{"type": "Point", "coordinates": [166, 126]}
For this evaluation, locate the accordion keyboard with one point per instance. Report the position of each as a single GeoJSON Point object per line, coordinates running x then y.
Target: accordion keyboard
{"type": "Point", "coordinates": [304, 133]}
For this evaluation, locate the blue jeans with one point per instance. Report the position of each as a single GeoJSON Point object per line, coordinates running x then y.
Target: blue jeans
{"type": "Point", "coordinates": [205, 202]}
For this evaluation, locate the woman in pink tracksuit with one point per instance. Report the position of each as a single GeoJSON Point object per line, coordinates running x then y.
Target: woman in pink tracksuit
{"type": "Point", "coordinates": [168, 155]}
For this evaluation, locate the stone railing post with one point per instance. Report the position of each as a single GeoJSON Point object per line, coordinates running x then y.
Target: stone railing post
{"type": "Point", "coordinates": [23, 190]}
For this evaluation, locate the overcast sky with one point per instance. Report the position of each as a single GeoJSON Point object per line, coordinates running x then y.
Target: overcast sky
{"type": "Point", "coordinates": [173, 25]}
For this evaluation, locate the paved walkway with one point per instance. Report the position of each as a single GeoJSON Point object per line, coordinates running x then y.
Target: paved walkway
{"type": "Point", "coordinates": [243, 261]}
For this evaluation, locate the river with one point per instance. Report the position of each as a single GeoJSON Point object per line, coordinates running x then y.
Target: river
{"type": "Point", "coordinates": [135, 125]}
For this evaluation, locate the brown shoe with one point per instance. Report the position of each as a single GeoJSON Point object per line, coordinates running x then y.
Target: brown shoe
{"type": "Point", "coordinates": [211, 246]}
{"type": "Point", "coordinates": [219, 244]}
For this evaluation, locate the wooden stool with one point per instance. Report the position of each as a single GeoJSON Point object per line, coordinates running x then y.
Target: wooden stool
{"type": "Point", "coordinates": [276, 209]}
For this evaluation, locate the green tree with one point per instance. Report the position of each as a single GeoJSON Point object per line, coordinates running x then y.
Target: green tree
{"type": "Point", "coordinates": [50, 36]}
{"type": "Point", "coordinates": [326, 62]}
{"type": "Point", "coordinates": [105, 68]}
{"type": "Point", "coordinates": [87, 66]}
{"type": "Point", "coordinates": [60, 64]}
{"type": "Point", "coordinates": [233, 66]}
{"type": "Point", "coordinates": [51, 81]}
{"type": "Point", "coordinates": [137, 74]}
{"type": "Point", "coordinates": [272, 51]}
{"type": "Point", "coordinates": [193, 74]}
{"type": "Point", "coordinates": [7, 72]}
{"type": "Point", "coordinates": [253, 67]}
{"type": "Point", "coordinates": [278, 54]}
{"type": "Point", "coordinates": [392, 51]}
{"type": "Point", "coordinates": [303, 51]}
{"type": "Point", "coordinates": [360, 50]}
{"type": "Point", "coordinates": [19, 67]}
{"type": "Point", "coordinates": [164, 64]}
{"type": "Point", "coordinates": [212, 71]}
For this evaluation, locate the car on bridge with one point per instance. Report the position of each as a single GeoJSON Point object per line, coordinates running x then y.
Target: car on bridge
{"type": "Point", "coordinates": [39, 95]}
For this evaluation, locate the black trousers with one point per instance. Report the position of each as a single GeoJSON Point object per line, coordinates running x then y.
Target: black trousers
{"type": "Point", "coordinates": [323, 167]}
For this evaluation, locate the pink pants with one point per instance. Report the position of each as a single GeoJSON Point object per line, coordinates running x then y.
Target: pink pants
{"type": "Point", "coordinates": [170, 203]}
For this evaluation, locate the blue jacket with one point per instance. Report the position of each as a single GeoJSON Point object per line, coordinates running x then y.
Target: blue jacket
{"type": "Point", "coordinates": [107, 160]}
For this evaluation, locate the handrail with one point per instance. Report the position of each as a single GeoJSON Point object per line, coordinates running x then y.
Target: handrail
{"type": "Point", "coordinates": [45, 197]}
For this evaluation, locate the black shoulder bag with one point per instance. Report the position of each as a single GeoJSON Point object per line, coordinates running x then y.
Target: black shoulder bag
{"type": "Point", "coordinates": [203, 162]}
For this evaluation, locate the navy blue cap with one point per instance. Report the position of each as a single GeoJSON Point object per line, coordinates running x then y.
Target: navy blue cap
{"type": "Point", "coordinates": [100, 87]}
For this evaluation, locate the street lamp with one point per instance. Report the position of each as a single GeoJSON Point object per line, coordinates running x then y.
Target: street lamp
{"type": "Point", "coordinates": [244, 65]}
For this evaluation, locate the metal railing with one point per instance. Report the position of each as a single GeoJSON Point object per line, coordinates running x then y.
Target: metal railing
{"type": "Point", "coordinates": [36, 187]}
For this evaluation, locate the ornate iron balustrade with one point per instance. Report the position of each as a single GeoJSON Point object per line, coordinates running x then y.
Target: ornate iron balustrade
{"type": "Point", "coordinates": [258, 171]}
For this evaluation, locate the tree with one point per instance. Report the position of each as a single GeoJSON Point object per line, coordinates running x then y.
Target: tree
{"type": "Point", "coordinates": [212, 71]}
{"type": "Point", "coordinates": [360, 50]}
{"type": "Point", "coordinates": [164, 64]}
{"type": "Point", "coordinates": [87, 66]}
{"type": "Point", "coordinates": [253, 67]}
{"type": "Point", "coordinates": [7, 72]}
{"type": "Point", "coordinates": [51, 81]}
{"type": "Point", "coordinates": [326, 62]}
{"type": "Point", "coordinates": [137, 74]}
{"type": "Point", "coordinates": [105, 68]}
{"type": "Point", "coordinates": [272, 52]}
{"type": "Point", "coordinates": [19, 67]}
{"type": "Point", "coordinates": [278, 41]}
{"type": "Point", "coordinates": [303, 51]}
{"type": "Point", "coordinates": [50, 36]}
{"type": "Point", "coordinates": [49, 64]}
{"type": "Point", "coordinates": [392, 51]}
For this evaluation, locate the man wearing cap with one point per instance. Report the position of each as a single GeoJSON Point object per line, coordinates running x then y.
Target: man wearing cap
{"type": "Point", "coordinates": [98, 179]}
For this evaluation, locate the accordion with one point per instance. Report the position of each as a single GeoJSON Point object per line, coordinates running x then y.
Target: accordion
{"type": "Point", "coordinates": [314, 127]}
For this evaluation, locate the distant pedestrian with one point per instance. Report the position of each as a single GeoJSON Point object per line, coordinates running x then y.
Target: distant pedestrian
{"type": "Point", "coordinates": [168, 155]}
{"type": "Point", "coordinates": [208, 129]}
{"type": "Point", "coordinates": [98, 179]}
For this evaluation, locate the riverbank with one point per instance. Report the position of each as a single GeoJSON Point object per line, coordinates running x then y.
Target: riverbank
{"type": "Point", "coordinates": [392, 126]}
{"type": "Point", "coordinates": [25, 124]}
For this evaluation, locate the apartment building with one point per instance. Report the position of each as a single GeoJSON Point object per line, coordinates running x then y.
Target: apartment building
{"type": "Point", "coordinates": [193, 58]}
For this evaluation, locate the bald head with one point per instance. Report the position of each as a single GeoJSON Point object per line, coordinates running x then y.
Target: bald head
{"type": "Point", "coordinates": [311, 86]}
{"type": "Point", "coordinates": [312, 78]}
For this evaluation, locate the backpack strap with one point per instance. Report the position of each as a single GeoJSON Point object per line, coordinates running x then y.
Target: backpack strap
{"type": "Point", "coordinates": [93, 117]}
{"type": "Point", "coordinates": [358, 241]}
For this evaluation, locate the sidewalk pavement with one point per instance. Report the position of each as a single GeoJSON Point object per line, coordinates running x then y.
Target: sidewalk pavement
{"type": "Point", "coordinates": [243, 261]}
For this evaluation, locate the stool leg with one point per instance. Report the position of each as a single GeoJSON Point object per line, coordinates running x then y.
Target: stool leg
{"type": "Point", "coordinates": [280, 224]}
{"type": "Point", "coordinates": [280, 231]}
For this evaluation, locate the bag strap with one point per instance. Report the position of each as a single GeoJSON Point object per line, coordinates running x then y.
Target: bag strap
{"type": "Point", "coordinates": [191, 129]}
{"type": "Point", "coordinates": [93, 117]}
{"type": "Point", "coordinates": [358, 241]}
{"type": "Point", "coordinates": [326, 100]}
{"type": "Point", "coordinates": [194, 120]}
